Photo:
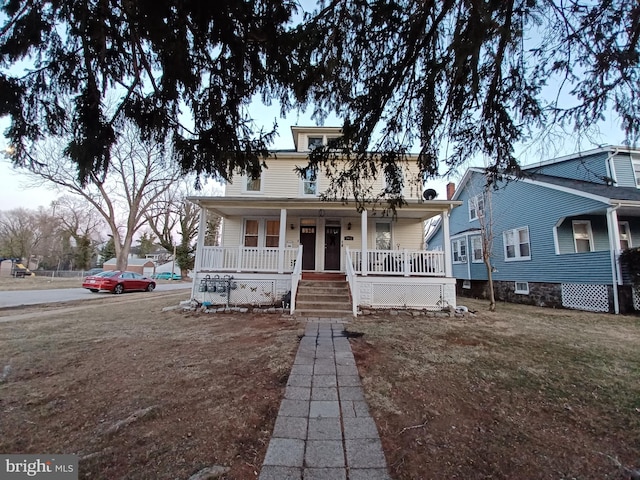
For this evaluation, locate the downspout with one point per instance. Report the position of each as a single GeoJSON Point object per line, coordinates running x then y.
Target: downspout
{"type": "Point", "coordinates": [610, 167]}
{"type": "Point", "coordinates": [614, 241]}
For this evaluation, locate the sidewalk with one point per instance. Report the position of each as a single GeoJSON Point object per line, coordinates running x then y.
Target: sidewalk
{"type": "Point", "coordinates": [324, 430]}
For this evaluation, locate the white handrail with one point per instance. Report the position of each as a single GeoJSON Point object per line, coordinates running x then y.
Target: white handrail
{"type": "Point", "coordinates": [295, 279]}
{"type": "Point", "coordinates": [351, 279]}
{"type": "Point", "coordinates": [420, 263]}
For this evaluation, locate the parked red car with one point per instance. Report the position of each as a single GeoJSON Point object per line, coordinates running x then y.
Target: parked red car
{"type": "Point", "coordinates": [118, 282]}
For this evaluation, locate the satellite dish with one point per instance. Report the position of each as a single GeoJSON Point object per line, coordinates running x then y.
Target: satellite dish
{"type": "Point", "coordinates": [429, 194]}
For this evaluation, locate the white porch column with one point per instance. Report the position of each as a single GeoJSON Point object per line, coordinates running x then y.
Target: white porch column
{"type": "Point", "coordinates": [197, 264]}
{"type": "Point", "coordinates": [614, 246]}
{"type": "Point", "coordinates": [446, 240]}
{"type": "Point", "coordinates": [281, 239]}
{"type": "Point", "coordinates": [364, 264]}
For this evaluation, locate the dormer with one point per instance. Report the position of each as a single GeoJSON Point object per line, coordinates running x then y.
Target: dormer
{"type": "Point", "coordinates": [304, 138]}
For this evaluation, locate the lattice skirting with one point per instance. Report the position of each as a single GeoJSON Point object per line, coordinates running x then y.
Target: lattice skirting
{"type": "Point", "coordinates": [635, 291]}
{"type": "Point", "coordinates": [407, 295]}
{"type": "Point", "coordinates": [593, 298]}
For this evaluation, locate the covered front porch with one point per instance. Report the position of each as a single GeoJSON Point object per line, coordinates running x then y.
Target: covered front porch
{"type": "Point", "coordinates": [266, 245]}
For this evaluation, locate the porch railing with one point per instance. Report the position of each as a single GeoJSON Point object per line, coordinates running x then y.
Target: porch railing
{"type": "Point", "coordinates": [248, 259]}
{"type": "Point", "coordinates": [425, 263]}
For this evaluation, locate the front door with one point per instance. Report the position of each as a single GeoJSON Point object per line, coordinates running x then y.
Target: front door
{"type": "Point", "coordinates": [308, 242]}
{"type": "Point", "coordinates": [332, 248]}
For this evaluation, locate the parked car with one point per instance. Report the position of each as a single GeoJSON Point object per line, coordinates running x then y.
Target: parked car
{"type": "Point", "coordinates": [167, 276]}
{"type": "Point", "coordinates": [118, 282]}
{"type": "Point", "coordinates": [93, 271]}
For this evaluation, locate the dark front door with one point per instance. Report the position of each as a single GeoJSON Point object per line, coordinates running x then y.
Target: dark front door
{"type": "Point", "coordinates": [308, 242]}
{"type": "Point", "coordinates": [332, 248]}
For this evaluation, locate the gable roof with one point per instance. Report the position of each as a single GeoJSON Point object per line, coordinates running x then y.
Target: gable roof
{"type": "Point", "coordinates": [595, 191]}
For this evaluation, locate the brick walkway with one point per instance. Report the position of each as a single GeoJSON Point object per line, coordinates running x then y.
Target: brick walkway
{"type": "Point", "coordinates": [324, 430]}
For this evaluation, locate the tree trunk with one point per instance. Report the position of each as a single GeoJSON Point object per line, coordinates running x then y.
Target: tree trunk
{"type": "Point", "coordinates": [492, 296]}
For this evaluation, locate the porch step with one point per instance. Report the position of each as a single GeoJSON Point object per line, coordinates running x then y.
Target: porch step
{"type": "Point", "coordinates": [323, 298]}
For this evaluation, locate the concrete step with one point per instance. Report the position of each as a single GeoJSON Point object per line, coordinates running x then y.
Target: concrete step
{"type": "Point", "coordinates": [323, 313]}
{"type": "Point", "coordinates": [319, 305]}
{"type": "Point", "coordinates": [322, 297]}
{"type": "Point", "coordinates": [322, 284]}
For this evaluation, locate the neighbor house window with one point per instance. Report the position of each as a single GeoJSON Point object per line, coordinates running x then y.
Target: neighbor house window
{"type": "Point", "coordinates": [466, 284]}
{"type": "Point", "coordinates": [383, 236]}
{"type": "Point", "coordinates": [516, 244]}
{"type": "Point", "coordinates": [476, 207]}
{"type": "Point", "coordinates": [476, 249]}
{"type": "Point", "coordinates": [310, 182]}
{"type": "Point", "coordinates": [582, 236]}
{"type": "Point", "coordinates": [625, 235]}
{"type": "Point", "coordinates": [636, 169]}
{"type": "Point", "coordinates": [522, 288]}
{"type": "Point", "coordinates": [459, 249]}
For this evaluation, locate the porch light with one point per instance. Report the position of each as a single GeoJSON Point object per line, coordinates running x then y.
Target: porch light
{"type": "Point", "coordinates": [349, 226]}
{"type": "Point", "coordinates": [321, 212]}
{"type": "Point", "coordinates": [293, 227]}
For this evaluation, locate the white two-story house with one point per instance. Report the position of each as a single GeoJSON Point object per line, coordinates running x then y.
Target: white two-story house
{"type": "Point", "coordinates": [276, 231]}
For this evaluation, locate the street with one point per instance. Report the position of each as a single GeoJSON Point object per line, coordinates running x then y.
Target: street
{"type": "Point", "coordinates": [17, 298]}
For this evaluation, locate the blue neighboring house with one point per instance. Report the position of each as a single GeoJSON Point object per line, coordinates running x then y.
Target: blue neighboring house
{"type": "Point", "coordinates": [557, 232]}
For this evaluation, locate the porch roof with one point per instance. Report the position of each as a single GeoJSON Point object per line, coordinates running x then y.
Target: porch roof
{"type": "Point", "coordinates": [310, 207]}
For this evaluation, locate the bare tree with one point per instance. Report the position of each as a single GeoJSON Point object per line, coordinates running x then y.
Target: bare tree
{"type": "Point", "coordinates": [175, 216]}
{"type": "Point", "coordinates": [486, 237]}
{"type": "Point", "coordinates": [139, 174]}
{"type": "Point", "coordinates": [22, 231]}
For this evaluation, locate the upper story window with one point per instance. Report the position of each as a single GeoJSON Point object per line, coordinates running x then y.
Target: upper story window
{"type": "Point", "coordinates": [625, 235]}
{"type": "Point", "coordinates": [310, 182]}
{"type": "Point", "coordinates": [459, 250]}
{"type": "Point", "coordinates": [253, 185]}
{"type": "Point", "coordinates": [582, 236]}
{"type": "Point", "coordinates": [516, 244]}
{"type": "Point", "coordinates": [476, 207]}
{"type": "Point", "coordinates": [313, 142]}
{"type": "Point", "coordinates": [476, 249]}
{"type": "Point", "coordinates": [635, 160]}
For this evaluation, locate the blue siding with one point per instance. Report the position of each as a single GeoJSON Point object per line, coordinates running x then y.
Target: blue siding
{"type": "Point", "coordinates": [521, 204]}
{"type": "Point", "coordinates": [624, 170]}
{"type": "Point", "coordinates": [592, 168]}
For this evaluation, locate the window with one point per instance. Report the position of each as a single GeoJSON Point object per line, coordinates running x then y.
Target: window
{"type": "Point", "coordinates": [459, 248]}
{"type": "Point", "coordinates": [625, 235]}
{"type": "Point", "coordinates": [476, 207]}
{"type": "Point", "coordinates": [522, 288]}
{"type": "Point", "coordinates": [272, 236]}
{"type": "Point", "coordinates": [261, 233]}
{"type": "Point", "coordinates": [393, 180]}
{"type": "Point", "coordinates": [253, 184]}
{"type": "Point", "coordinates": [310, 182]}
{"type": "Point", "coordinates": [383, 236]}
{"type": "Point", "coordinates": [313, 142]}
{"type": "Point", "coordinates": [636, 169]}
{"type": "Point", "coordinates": [582, 236]}
{"type": "Point", "coordinates": [476, 249]}
{"type": "Point", "coordinates": [251, 233]}
{"type": "Point", "coordinates": [516, 244]}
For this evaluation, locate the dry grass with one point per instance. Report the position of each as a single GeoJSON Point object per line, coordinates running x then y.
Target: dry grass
{"type": "Point", "coordinates": [38, 283]}
{"type": "Point", "coordinates": [203, 389]}
{"type": "Point", "coordinates": [523, 392]}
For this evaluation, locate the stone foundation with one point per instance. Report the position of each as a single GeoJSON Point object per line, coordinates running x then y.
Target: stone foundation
{"type": "Point", "coordinates": [540, 294]}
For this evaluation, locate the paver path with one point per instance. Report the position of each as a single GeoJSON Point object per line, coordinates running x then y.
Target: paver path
{"type": "Point", "coordinates": [324, 430]}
